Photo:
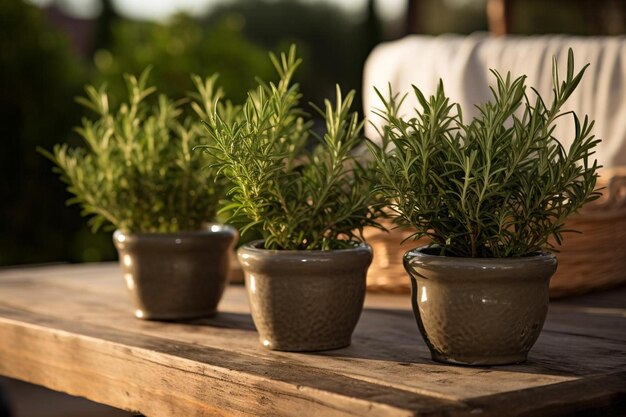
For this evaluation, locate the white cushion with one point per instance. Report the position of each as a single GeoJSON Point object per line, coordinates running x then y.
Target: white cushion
{"type": "Point", "coordinates": [463, 63]}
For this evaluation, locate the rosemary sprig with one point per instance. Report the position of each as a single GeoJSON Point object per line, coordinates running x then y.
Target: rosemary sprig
{"type": "Point", "coordinates": [137, 171]}
{"type": "Point", "coordinates": [298, 200]}
{"type": "Point", "coordinates": [499, 186]}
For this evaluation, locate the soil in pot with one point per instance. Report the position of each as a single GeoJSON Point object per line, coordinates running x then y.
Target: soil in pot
{"type": "Point", "coordinates": [476, 311]}
{"type": "Point", "coordinates": [176, 276]}
{"type": "Point", "coordinates": [305, 300]}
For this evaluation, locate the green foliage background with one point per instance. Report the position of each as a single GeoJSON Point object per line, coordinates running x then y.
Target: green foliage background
{"type": "Point", "coordinates": [178, 49]}
{"type": "Point", "coordinates": [332, 44]}
{"type": "Point", "coordinates": [40, 76]}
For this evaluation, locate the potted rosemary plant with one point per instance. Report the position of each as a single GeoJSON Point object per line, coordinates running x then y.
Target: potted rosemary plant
{"type": "Point", "coordinates": [492, 195]}
{"type": "Point", "coordinates": [306, 278]}
{"type": "Point", "coordinates": [138, 173]}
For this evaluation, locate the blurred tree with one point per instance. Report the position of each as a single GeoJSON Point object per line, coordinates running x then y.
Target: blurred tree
{"type": "Point", "coordinates": [103, 33]}
{"type": "Point", "coordinates": [576, 17]}
{"type": "Point", "coordinates": [452, 16]}
{"type": "Point", "coordinates": [178, 49]}
{"type": "Point", "coordinates": [372, 30]}
{"type": "Point", "coordinates": [331, 42]}
{"type": "Point", "coordinates": [526, 17]}
{"type": "Point", "coordinates": [38, 79]}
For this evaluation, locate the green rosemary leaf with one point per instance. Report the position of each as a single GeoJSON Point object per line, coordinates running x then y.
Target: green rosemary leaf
{"type": "Point", "coordinates": [138, 171]}
{"type": "Point", "coordinates": [499, 186]}
{"type": "Point", "coordinates": [297, 199]}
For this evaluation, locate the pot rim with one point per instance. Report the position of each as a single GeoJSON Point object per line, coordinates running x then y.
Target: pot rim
{"type": "Point", "coordinates": [253, 247]}
{"type": "Point", "coordinates": [451, 268]}
{"type": "Point", "coordinates": [419, 252]}
{"type": "Point", "coordinates": [208, 229]}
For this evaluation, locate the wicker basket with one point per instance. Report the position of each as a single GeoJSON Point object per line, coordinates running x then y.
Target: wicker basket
{"type": "Point", "coordinates": [594, 259]}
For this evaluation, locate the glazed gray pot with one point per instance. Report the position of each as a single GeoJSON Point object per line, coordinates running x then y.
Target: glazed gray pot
{"type": "Point", "coordinates": [305, 300]}
{"type": "Point", "coordinates": [175, 276]}
{"type": "Point", "coordinates": [477, 311]}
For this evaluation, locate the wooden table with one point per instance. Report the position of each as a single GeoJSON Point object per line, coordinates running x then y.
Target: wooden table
{"type": "Point", "coordinates": [69, 328]}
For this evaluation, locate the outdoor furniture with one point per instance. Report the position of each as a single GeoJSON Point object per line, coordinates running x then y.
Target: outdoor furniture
{"type": "Point", "coordinates": [71, 329]}
{"type": "Point", "coordinates": [463, 63]}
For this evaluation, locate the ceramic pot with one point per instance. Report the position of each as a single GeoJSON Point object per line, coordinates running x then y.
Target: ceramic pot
{"type": "Point", "coordinates": [305, 300]}
{"type": "Point", "coordinates": [174, 276]}
{"type": "Point", "coordinates": [476, 311]}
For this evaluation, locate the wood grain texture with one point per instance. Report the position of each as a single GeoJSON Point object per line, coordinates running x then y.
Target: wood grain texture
{"type": "Point", "coordinates": [70, 328]}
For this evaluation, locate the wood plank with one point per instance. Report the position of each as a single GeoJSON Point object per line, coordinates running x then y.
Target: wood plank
{"type": "Point", "coordinates": [406, 332]}
{"type": "Point", "coordinates": [379, 352]}
{"type": "Point", "coordinates": [69, 328]}
{"type": "Point", "coordinates": [160, 378]}
{"type": "Point", "coordinates": [585, 397]}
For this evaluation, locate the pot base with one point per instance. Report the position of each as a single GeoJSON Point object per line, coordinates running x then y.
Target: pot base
{"type": "Point", "coordinates": [480, 360]}
{"type": "Point", "coordinates": [143, 315]}
{"type": "Point", "coordinates": [304, 347]}
{"type": "Point", "coordinates": [176, 276]}
{"type": "Point", "coordinates": [305, 300]}
{"type": "Point", "coordinates": [479, 311]}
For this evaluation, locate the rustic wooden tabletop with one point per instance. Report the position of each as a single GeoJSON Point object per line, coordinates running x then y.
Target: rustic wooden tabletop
{"type": "Point", "coordinates": [70, 328]}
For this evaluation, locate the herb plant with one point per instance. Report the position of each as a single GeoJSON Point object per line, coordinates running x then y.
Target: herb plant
{"type": "Point", "coordinates": [298, 200]}
{"type": "Point", "coordinates": [138, 171]}
{"type": "Point", "coordinates": [499, 186]}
